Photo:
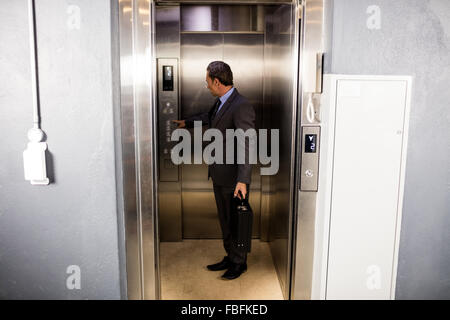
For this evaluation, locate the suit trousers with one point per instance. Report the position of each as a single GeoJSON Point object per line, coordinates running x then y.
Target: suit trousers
{"type": "Point", "coordinates": [224, 197]}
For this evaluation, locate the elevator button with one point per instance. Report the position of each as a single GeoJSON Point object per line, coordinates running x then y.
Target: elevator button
{"type": "Point", "coordinates": [309, 173]}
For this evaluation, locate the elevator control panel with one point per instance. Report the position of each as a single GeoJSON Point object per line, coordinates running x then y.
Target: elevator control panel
{"type": "Point", "coordinates": [167, 111]}
{"type": "Point", "coordinates": [310, 158]}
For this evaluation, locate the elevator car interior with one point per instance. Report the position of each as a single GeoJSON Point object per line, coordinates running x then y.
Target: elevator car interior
{"type": "Point", "coordinates": [256, 41]}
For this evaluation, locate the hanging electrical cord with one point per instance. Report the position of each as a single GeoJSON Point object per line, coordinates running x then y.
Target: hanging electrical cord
{"type": "Point", "coordinates": [34, 77]}
{"type": "Point", "coordinates": [34, 156]}
{"type": "Point", "coordinates": [310, 112]}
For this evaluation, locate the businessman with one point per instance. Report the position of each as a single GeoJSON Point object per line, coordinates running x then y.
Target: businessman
{"type": "Point", "coordinates": [230, 111]}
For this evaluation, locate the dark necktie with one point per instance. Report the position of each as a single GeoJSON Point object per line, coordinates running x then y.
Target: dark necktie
{"type": "Point", "coordinates": [216, 107]}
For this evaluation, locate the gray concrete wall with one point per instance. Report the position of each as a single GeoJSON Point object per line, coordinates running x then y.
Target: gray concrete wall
{"type": "Point", "coordinates": [73, 221]}
{"type": "Point", "coordinates": [413, 39]}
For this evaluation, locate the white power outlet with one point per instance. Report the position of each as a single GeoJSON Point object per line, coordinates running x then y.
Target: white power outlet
{"type": "Point", "coordinates": [34, 159]}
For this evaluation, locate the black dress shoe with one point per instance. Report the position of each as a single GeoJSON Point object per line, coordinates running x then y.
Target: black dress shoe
{"type": "Point", "coordinates": [234, 271]}
{"type": "Point", "coordinates": [222, 265]}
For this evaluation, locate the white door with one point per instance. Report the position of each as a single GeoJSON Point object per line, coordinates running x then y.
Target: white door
{"type": "Point", "coordinates": [365, 188]}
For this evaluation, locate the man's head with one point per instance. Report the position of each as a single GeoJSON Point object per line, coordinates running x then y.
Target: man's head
{"type": "Point", "coordinates": [219, 78]}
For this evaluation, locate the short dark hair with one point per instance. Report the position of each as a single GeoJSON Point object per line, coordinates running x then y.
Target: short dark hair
{"type": "Point", "coordinates": [221, 71]}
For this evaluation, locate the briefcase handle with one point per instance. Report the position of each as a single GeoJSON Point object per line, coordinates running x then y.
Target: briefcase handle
{"type": "Point", "coordinates": [242, 199]}
{"type": "Point", "coordinates": [242, 196]}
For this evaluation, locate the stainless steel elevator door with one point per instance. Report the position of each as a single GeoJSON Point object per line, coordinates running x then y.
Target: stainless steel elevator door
{"type": "Point", "coordinates": [278, 98]}
{"type": "Point", "coordinates": [244, 53]}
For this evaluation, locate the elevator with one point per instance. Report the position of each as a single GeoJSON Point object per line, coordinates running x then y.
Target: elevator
{"type": "Point", "coordinates": [165, 49]}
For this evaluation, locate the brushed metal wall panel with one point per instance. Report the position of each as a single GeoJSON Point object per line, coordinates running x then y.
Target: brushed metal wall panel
{"type": "Point", "coordinates": [167, 40]}
{"type": "Point", "coordinates": [138, 148]}
{"type": "Point", "coordinates": [199, 18]}
{"type": "Point", "coordinates": [197, 51]}
{"type": "Point", "coordinates": [245, 55]}
{"type": "Point", "coordinates": [303, 254]}
{"type": "Point", "coordinates": [167, 35]}
{"type": "Point", "coordinates": [280, 69]}
{"type": "Point", "coordinates": [145, 141]}
{"type": "Point", "coordinates": [222, 18]}
{"type": "Point", "coordinates": [200, 218]}
{"type": "Point", "coordinates": [132, 230]}
{"type": "Point", "coordinates": [169, 206]}
{"type": "Point", "coordinates": [235, 18]}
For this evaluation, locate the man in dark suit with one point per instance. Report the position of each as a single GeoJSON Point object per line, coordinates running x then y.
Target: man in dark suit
{"type": "Point", "coordinates": [230, 111]}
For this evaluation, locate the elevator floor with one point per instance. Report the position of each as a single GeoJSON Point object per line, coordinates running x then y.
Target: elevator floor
{"type": "Point", "coordinates": [184, 275]}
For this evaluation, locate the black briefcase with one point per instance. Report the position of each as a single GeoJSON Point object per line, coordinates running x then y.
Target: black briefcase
{"type": "Point", "coordinates": [242, 220]}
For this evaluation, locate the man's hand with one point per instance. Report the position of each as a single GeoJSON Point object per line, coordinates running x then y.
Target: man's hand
{"type": "Point", "coordinates": [181, 123]}
{"type": "Point", "coordinates": [242, 187]}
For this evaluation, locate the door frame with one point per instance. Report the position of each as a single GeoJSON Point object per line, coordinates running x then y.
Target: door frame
{"type": "Point", "coordinates": [138, 129]}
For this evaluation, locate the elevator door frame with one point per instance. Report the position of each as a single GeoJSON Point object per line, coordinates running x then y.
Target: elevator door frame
{"type": "Point", "coordinates": [139, 154]}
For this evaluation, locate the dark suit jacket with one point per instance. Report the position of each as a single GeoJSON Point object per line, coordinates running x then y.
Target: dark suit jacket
{"type": "Point", "coordinates": [236, 113]}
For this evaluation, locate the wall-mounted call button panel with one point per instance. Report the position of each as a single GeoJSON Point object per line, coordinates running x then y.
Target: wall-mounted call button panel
{"type": "Point", "coordinates": [310, 158]}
